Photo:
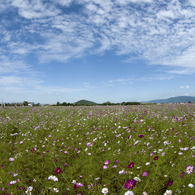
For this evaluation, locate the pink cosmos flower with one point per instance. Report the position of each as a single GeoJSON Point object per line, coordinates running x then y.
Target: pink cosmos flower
{"type": "Point", "coordinates": [189, 169]}
{"type": "Point", "coordinates": [145, 173]}
{"type": "Point", "coordinates": [107, 162]}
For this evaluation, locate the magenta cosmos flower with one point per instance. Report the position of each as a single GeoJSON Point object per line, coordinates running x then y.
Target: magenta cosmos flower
{"type": "Point", "coordinates": [182, 174]}
{"type": "Point", "coordinates": [131, 165]}
{"type": "Point", "coordinates": [130, 184]}
{"type": "Point", "coordinates": [156, 158]}
{"type": "Point", "coordinates": [58, 170]}
{"type": "Point", "coordinates": [140, 135]}
{"type": "Point", "coordinates": [170, 183]}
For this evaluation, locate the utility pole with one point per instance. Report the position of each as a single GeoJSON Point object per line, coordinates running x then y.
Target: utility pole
{"type": "Point", "coordinates": [2, 104]}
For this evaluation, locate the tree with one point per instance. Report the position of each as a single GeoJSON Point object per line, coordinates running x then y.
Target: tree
{"type": "Point", "coordinates": [58, 103]}
{"type": "Point", "coordinates": [25, 103]}
{"type": "Point", "coordinates": [64, 104]}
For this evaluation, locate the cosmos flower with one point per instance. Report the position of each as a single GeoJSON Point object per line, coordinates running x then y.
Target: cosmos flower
{"type": "Point", "coordinates": [105, 190]}
{"type": "Point", "coordinates": [189, 169]}
{"type": "Point", "coordinates": [131, 165]}
{"type": "Point", "coordinates": [145, 173]}
{"type": "Point", "coordinates": [58, 170]}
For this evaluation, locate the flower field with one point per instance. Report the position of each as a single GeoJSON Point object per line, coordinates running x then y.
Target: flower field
{"type": "Point", "coordinates": [140, 150]}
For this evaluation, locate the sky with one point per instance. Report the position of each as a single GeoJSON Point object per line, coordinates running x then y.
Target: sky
{"type": "Point", "coordinates": [97, 50]}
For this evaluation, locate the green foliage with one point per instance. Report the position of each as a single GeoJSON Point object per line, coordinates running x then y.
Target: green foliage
{"type": "Point", "coordinates": [64, 104]}
{"type": "Point", "coordinates": [25, 103]}
{"type": "Point", "coordinates": [84, 102]}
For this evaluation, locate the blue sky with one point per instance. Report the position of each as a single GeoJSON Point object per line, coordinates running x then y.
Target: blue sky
{"type": "Point", "coordinates": [99, 50]}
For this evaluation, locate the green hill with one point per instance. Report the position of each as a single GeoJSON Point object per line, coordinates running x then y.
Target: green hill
{"type": "Point", "coordinates": [85, 102]}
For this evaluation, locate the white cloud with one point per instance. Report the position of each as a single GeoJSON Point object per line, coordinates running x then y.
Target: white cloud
{"type": "Point", "coordinates": [7, 66]}
{"type": "Point", "coordinates": [187, 87]}
{"type": "Point", "coordinates": [7, 80]}
{"type": "Point", "coordinates": [181, 87]}
{"type": "Point", "coordinates": [191, 2]}
{"type": "Point", "coordinates": [168, 14]}
{"type": "Point", "coordinates": [63, 2]}
{"type": "Point", "coordinates": [34, 9]}
{"type": "Point", "coordinates": [124, 2]}
{"type": "Point", "coordinates": [18, 81]}
{"type": "Point", "coordinates": [119, 80]}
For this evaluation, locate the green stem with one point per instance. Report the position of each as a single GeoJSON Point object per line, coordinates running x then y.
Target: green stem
{"type": "Point", "coordinates": [64, 177]}
{"type": "Point", "coordinates": [39, 180]}
{"type": "Point", "coordinates": [54, 164]}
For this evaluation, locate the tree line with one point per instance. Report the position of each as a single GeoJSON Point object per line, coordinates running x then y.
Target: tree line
{"type": "Point", "coordinates": [103, 104]}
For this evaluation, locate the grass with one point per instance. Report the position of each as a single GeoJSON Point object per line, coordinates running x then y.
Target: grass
{"type": "Point", "coordinates": [98, 150]}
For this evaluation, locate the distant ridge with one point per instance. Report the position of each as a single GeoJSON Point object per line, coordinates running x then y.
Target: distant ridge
{"type": "Point", "coordinates": [178, 99]}
{"type": "Point", "coordinates": [85, 102]}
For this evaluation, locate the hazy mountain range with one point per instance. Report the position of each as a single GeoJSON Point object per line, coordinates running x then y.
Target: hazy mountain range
{"type": "Point", "coordinates": [178, 99]}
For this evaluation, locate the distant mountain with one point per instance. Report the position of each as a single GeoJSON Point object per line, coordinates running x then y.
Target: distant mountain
{"type": "Point", "coordinates": [179, 99]}
{"type": "Point", "coordinates": [85, 102]}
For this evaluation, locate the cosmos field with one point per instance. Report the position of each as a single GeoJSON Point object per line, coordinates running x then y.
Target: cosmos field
{"type": "Point", "coordinates": [140, 150]}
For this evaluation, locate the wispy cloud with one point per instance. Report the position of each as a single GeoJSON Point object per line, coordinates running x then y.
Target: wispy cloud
{"type": "Point", "coordinates": [7, 80]}
{"type": "Point", "coordinates": [119, 80]}
{"type": "Point", "coordinates": [159, 33]}
{"type": "Point", "coordinates": [34, 9]}
{"type": "Point", "coordinates": [187, 87]}
{"type": "Point", "coordinates": [18, 76]}
{"type": "Point", "coordinates": [13, 67]}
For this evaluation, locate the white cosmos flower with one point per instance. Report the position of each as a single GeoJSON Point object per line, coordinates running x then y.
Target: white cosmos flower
{"type": "Point", "coordinates": [168, 192]}
{"type": "Point", "coordinates": [53, 178]}
{"type": "Point", "coordinates": [55, 190]}
{"type": "Point", "coordinates": [191, 185]}
{"type": "Point", "coordinates": [11, 159]}
{"type": "Point", "coordinates": [129, 193]}
{"type": "Point", "coordinates": [105, 190]}
{"type": "Point", "coordinates": [137, 178]}
{"type": "Point", "coordinates": [186, 148]}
